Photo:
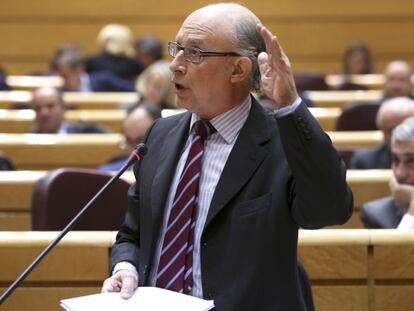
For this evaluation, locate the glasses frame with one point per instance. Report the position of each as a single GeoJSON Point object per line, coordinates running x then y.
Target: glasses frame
{"type": "Point", "coordinates": [178, 47]}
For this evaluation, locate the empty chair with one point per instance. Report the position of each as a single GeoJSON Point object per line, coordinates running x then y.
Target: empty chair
{"type": "Point", "coordinates": [60, 194]}
{"type": "Point", "coordinates": [310, 81]}
{"type": "Point", "coordinates": [358, 116]}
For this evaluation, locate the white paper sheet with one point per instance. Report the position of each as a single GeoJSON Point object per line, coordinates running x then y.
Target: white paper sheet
{"type": "Point", "coordinates": [144, 299]}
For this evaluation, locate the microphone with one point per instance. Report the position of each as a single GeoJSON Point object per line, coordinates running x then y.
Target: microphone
{"type": "Point", "coordinates": [136, 155]}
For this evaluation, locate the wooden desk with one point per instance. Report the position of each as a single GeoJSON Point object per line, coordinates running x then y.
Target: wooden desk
{"type": "Point", "coordinates": [359, 270]}
{"type": "Point", "coordinates": [16, 191]}
{"type": "Point", "coordinates": [370, 81]}
{"type": "Point", "coordinates": [96, 100]}
{"type": "Point", "coordinates": [48, 151]}
{"type": "Point", "coordinates": [358, 139]}
{"type": "Point", "coordinates": [22, 82]}
{"type": "Point", "coordinates": [22, 120]}
{"type": "Point", "coordinates": [339, 98]}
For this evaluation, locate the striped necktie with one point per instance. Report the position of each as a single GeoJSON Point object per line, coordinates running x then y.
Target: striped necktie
{"type": "Point", "coordinates": [176, 259]}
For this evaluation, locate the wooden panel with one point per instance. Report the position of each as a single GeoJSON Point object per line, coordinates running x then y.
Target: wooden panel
{"type": "Point", "coordinates": [44, 298]}
{"type": "Point", "coordinates": [394, 262]}
{"type": "Point", "coordinates": [340, 298]}
{"type": "Point", "coordinates": [340, 98]}
{"type": "Point", "coordinates": [356, 138]}
{"type": "Point", "coordinates": [122, 8]}
{"type": "Point", "coordinates": [398, 297]}
{"type": "Point", "coordinates": [10, 221]}
{"type": "Point", "coordinates": [79, 100]}
{"type": "Point", "coordinates": [64, 263]}
{"type": "Point", "coordinates": [21, 121]}
{"type": "Point", "coordinates": [47, 151]}
{"type": "Point", "coordinates": [368, 185]}
{"type": "Point", "coordinates": [334, 262]}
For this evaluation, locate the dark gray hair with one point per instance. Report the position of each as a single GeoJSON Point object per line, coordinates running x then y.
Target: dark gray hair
{"type": "Point", "coordinates": [249, 42]}
{"type": "Point", "coordinates": [404, 132]}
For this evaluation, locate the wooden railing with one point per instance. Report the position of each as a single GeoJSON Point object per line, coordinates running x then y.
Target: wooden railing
{"type": "Point", "coordinates": [358, 270]}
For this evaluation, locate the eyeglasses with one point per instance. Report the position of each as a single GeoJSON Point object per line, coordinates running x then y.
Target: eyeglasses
{"type": "Point", "coordinates": [194, 55]}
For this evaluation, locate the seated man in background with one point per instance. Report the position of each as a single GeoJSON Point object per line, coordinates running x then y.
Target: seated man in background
{"type": "Point", "coordinates": [50, 113]}
{"type": "Point", "coordinates": [148, 50]}
{"type": "Point", "coordinates": [5, 163]}
{"type": "Point", "coordinates": [68, 61]}
{"type": "Point", "coordinates": [391, 113]}
{"type": "Point", "coordinates": [396, 211]}
{"type": "Point", "coordinates": [138, 119]}
{"type": "Point", "coordinates": [397, 80]}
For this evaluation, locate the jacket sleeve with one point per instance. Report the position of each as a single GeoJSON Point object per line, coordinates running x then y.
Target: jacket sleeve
{"type": "Point", "coordinates": [320, 195]}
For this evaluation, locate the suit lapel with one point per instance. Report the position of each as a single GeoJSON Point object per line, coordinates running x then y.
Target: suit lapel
{"type": "Point", "coordinates": [248, 152]}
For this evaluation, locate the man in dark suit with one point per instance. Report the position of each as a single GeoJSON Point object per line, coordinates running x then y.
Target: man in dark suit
{"type": "Point", "coordinates": [263, 176]}
{"type": "Point", "coordinates": [69, 63]}
{"type": "Point", "coordinates": [391, 113]}
{"type": "Point", "coordinates": [50, 113]}
{"type": "Point", "coordinates": [396, 211]}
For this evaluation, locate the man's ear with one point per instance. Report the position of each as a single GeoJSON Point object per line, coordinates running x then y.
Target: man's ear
{"type": "Point", "coordinates": [242, 68]}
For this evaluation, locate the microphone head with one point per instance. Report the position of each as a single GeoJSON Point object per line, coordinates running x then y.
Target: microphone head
{"type": "Point", "coordinates": [141, 149]}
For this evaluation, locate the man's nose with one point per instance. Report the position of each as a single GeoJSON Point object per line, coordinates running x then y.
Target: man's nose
{"type": "Point", "coordinates": [178, 64]}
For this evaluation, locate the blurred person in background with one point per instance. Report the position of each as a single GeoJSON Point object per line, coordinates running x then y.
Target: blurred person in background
{"type": "Point", "coordinates": [68, 62]}
{"type": "Point", "coordinates": [148, 50]}
{"type": "Point", "coordinates": [391, 113]}
{"type": "Point", "coordinates": [116, 53]}
{"type": "Point", "coordinates": [3, 83]}
{"type": "Point", "coordinates": [397, 76]}
{"type": "Point", "coordinates": [50, 110]}
{"type": "Point", "coordinates": [5, 163]}
{"type": "Point", "coordinates": [138, 119]}
{"type": "Point", "coordinates": [397, 210]}
{"type": "Point", "coordinates": [357, 60]}
{"type": "Point", "coordinates": [154, 85]}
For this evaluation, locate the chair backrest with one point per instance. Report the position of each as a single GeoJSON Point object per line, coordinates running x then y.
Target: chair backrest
{"type": "Point", "coordinates": [358, 116]}
{"type": "Point", "coordinates": [60, 194]}
{"type": "Point", "coordinates": [310, 81]}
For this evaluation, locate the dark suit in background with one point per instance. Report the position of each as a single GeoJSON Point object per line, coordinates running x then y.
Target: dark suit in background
{"type": "Point", "coordinates": [108, 82]}
{"type": "Point", "coordinates": [381, 213]}
{"type": "Point", "coordinates": [372, 158]}
{"type": "Point", "coordinates": [123, 67]}
{"type": "Point", "coordinates": [282, 174]}
{"type": "Point", "coordinates": [79, 128]}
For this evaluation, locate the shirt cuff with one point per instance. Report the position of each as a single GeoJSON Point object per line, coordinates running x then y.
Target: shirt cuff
{"type": "Point", "coordinates": [288, 109]}
{"type": "Point", "coordinates": [407, 222]}
{"type": "Point", "coordinates": [125, 265]}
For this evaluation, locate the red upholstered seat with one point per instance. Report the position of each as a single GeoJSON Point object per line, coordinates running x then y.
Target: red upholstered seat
{"type": "Point", "coordinates": [60, 194]}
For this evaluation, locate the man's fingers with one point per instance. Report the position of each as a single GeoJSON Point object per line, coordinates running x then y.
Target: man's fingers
{"type": "Point", "coordinates": [111, 285]}
{"type": "Point", "coordinates": [129, 283]}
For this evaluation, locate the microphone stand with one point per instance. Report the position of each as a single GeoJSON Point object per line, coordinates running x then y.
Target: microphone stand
{"type": "Point", "coordinates": [136, 155]}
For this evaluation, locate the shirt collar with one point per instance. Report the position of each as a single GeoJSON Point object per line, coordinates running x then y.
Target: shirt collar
{"type": "Point", "coordinates": [229, 123]}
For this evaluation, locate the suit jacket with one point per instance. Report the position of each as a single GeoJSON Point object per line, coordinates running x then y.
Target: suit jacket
{"type": "Point", "coordinates": [80, 128]}
{"type": "Point", "coordinates": [106, 81]}
{"type": "Point", "coordinates": [124, 67]}
{"type": "Point", "coordinates": [282, 174]}
{"type": "Point", "coordinates": [381, 213]}
{"type": "Point", "coordinates": [372, 158]}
